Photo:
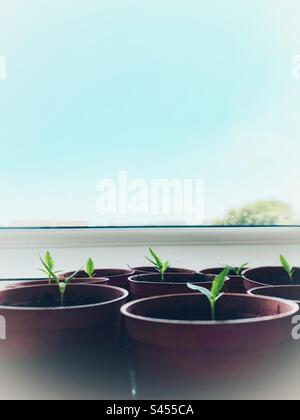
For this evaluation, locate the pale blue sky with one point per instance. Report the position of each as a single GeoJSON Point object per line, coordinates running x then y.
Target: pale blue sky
{"type": "Point", "coordinates": [161, 88]}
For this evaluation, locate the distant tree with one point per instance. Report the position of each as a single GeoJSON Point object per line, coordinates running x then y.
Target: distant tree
{"type": "Point", "coordinates": [260, 213]}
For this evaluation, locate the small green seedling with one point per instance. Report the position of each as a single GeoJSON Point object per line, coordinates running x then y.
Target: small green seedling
{"type": "Point", "coordinates": [161, 266]}
{"type": "Point", "coordinates": [90, 268]}
{"type": "Point", "coordinates": [215, 293]}
{"type": "Point", "coordinates": [238, 270]}
{"type": "Point", "coordinates": [288, 268]}
{"type": "Point", "coordinates": [49, 262]}
{"type": "Point", "coordinates": [61, 285]}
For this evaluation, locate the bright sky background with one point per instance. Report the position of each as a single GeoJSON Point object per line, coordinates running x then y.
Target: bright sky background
{"type": "Point", "coordinates": [160, 88]}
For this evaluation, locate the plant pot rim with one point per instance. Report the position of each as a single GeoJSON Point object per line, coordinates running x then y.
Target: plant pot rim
{"type": "Point", "coordinates": [178, 269]}
{"type": "Point", "coordinates": [124, 294]}
{"type": "Point", "coordinates": [122, 273]}
{"type": "Point", "coordinates": [39, 281]}
{"type": "Point", "coordinates": [21, 282]}
{"type": "Point", "coordinates": [133, 279]}
{"type": "Point", "coordinates": [88, 280]}
{"type": "Point", "coordinates": [265, 267]}
{"type": "Point", "coordinates": [262, 288]}
{"type": "Point", "coordinates": [23, 279]}
{"type": "Point", "coordinates": [125, 311]}
{"type": "Point", "coordinates": [232, 276]}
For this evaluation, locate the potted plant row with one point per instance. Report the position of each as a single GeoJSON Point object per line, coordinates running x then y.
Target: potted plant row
{"type": "Point", "coordinates": [182, 323]}
{"type": "Point", "coordinates": [156, 279]}
{"type": "Point", "coordinates": [161, 278]}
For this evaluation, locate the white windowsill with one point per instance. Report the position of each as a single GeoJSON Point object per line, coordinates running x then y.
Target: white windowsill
{"type": "Point", "coordinates": [82, 238]}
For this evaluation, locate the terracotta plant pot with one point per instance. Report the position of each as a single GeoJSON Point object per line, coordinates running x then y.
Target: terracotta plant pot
{"type": "Point", "coordinates": [13, 283]}
{"type": "Point", "coordinates": [175, 340]}
{"type": "Point", "coordinates": [153, 270]}
{"type": "Point", "coordinates": [117, 277]}
{"type": "Point", "coordinates": [291, 293]}
{"type": "Point", "coordinates": [149, 285]}
{"type": "Point", "coordinates": [268, 276]}
{"type": "Point", "coordinates": [34, 328]}
{"type": "Point", "coordinates": [236, 283]}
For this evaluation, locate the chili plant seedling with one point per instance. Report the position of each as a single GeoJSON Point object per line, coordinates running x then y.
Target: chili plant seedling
{"type": "Point", "coordinates": [61, 285]}
{"type": "Point", "coordinates": [161, 266]}
{"type": "Point", "coordinates": [90, 268]}
{"type": "Point", "coordinates": [48, 260]}
{"type": "Point", "coordinates": [215, 293]}
{"type": "Point", "coordinates": [238, 270]}
{"type": "Point", "coordinates": [288, 268]}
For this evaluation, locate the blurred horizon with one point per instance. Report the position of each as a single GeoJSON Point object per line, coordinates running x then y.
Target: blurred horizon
{"type": "Point", "coordinates": [163, 89]}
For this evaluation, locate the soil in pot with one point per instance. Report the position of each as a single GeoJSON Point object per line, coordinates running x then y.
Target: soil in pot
{"type": "Point", "coordinates": [148, 285]}
{"type": "Point", "coordinates": [117, 277]}
{"type": "Point", "coordinates": [193, 313]}
{"type": "Point", "coordinates": [49, 300]}
{"type": "Point", "coordinates": [269, 276]}
{"type": "Point", "coordinates": [236, 283]}
{"type": "Point", "coordinates": [175, 340]}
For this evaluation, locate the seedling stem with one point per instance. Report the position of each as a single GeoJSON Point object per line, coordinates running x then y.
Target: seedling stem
{"type": "Point", "coordinates": [61, 285]}
{"type": "Point", "coordinates": [215, 293]}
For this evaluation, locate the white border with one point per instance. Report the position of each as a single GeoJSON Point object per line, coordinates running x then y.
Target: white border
{"type": "Point", "coordinates": [110, 237]}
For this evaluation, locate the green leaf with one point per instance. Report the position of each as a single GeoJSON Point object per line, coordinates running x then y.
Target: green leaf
{"type": "Point", "coordinates": [285, 264]}
{"type": "Point", "coordinates": [215, 294]}
{"type": "Point", "coordinates": [152, 262]}
{"type": "Point", "coordinates": [219, 297]}
{"type": "Point", "coordinates": [69, 279]}
{"type": "Point", "coordinates": [49, 261]}
{"type": "Point", "coordinates": [49, 271]}
{"type": "Point", "coordinates": [219, 282]}
{"type": "Point", "coordinates": [165, 267]}
{"type": "Point", "coordinates": [161, 267]}
{"type": "Point", "coordinates": [90, 268]}
{"type": "Point", "coordinates": [201, 290]}
{"type": "Point", "coordinates": [234, 269]}
{"type": "Point", "coordinates": [241, 268]}
{"type": "Point", "coordinates": [237, 270]}
{"type": "Point", "coordinates": [156, 257]}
